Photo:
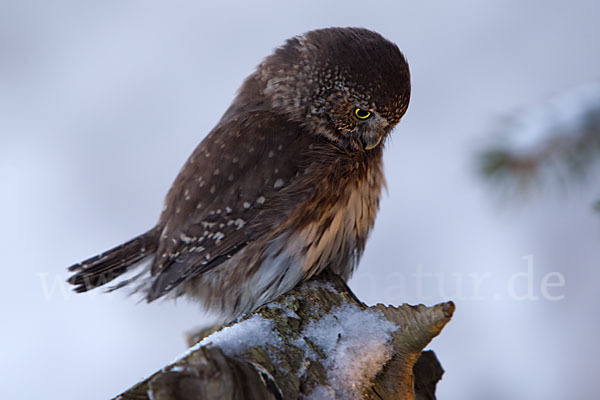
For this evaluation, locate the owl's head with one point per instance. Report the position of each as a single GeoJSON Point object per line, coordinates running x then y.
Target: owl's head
{"type": "Point", "coordinates": [349, 84]}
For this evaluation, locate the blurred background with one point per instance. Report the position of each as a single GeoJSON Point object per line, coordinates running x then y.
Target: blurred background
{"type": "Point", "coordinates": [102, 102]}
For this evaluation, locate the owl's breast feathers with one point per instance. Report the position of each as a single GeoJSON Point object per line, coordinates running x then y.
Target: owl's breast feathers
{"type": "Point", "coordinates": [259, 179]}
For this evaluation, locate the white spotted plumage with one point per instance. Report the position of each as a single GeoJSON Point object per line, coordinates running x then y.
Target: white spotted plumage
{"type": "Point", "coordinates": [286, 185]}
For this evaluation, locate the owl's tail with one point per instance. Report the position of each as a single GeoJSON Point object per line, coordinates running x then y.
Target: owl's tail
{"type": "Point", "coordinates": [113, 263]}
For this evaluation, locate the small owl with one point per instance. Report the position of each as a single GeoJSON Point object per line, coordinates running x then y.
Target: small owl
{"type": "Point", "coordinates": [287, 184]}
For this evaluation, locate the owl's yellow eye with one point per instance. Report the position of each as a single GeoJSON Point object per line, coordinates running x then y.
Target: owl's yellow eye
{"type": "Point", "coordinates": [362, 114]}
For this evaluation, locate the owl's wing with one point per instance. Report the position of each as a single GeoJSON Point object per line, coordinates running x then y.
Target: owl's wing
{"type": "Point", "coordinates": [226, 195]}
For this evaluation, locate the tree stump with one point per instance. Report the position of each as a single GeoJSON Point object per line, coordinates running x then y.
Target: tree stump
{"type": "Point", "coordinates": [316, 342]}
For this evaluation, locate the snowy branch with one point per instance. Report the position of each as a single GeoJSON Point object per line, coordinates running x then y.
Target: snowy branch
{"type": "Point", "coordinates": [316, 342]}
{"type": "Point", "coordinates": [554, 141]}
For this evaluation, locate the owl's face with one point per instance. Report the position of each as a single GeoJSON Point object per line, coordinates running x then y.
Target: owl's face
{"type": "Point", "coordinates": [350, 85]}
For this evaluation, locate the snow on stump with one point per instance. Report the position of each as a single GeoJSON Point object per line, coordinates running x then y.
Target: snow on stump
{"type": "Point", "coordinates": [316, 342]}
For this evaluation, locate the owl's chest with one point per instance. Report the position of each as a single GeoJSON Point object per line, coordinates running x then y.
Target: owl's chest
{"type": "Point", "coordinates": [327, 229]}
{"type": "Point", "coordinates": [336, 234]}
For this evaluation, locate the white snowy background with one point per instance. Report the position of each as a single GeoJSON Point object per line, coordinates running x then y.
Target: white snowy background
{"type": "Point", "coordinates": [102, 102]}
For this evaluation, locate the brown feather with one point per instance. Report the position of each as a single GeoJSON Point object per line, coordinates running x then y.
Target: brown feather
{"type": "Point", "coordinates": [286, 185]}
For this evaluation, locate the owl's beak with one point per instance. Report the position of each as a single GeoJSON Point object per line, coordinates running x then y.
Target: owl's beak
{"type": "Point", "coordinates": [371, 141]}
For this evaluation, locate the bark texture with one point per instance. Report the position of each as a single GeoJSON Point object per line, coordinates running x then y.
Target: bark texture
{"type": "Point", "coordinates": [295, 363]}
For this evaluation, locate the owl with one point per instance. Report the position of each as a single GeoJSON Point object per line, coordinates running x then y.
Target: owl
{"type": "Point", "coordinates": [286, 185]}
